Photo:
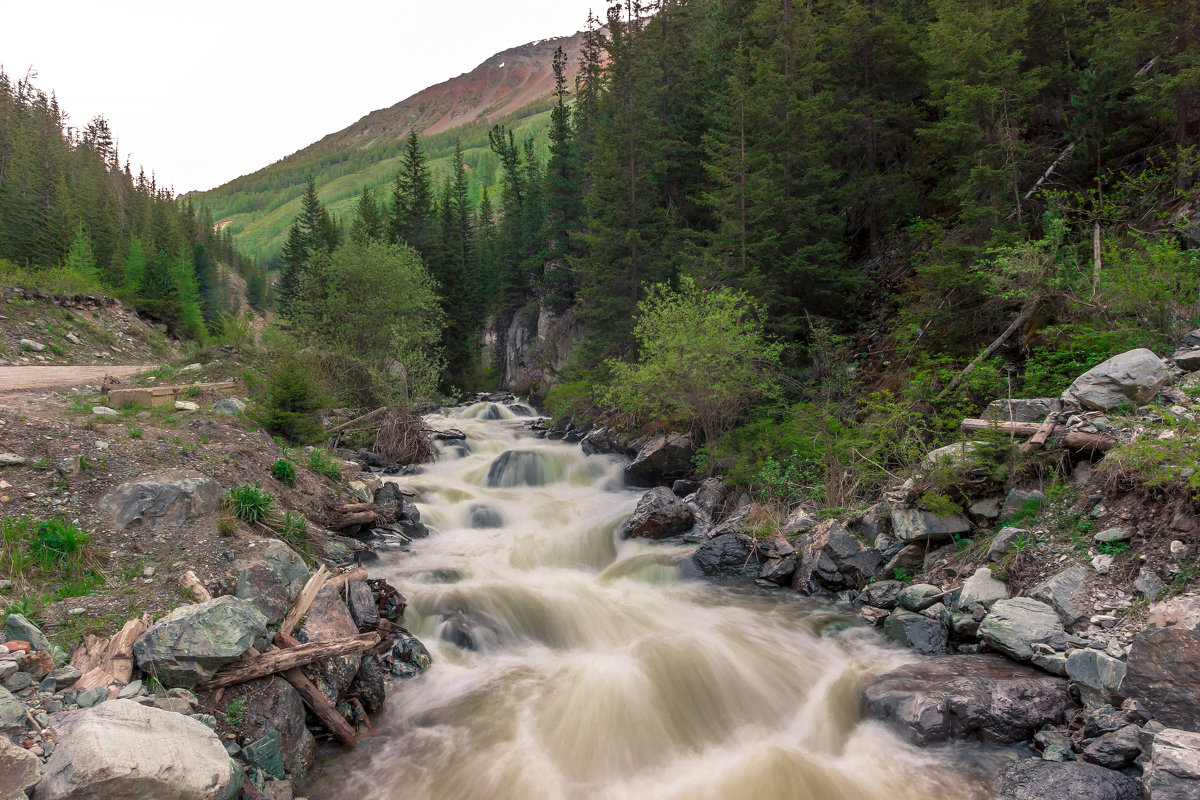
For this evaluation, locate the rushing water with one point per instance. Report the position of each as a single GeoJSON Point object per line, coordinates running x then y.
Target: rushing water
{"type": "Point", "coordinates": [571, 664]}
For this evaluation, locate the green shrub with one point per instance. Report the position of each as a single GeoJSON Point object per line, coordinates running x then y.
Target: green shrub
{"type": "Point", "coordinates": [321, 462]}
{"type": "Point", "coordinates": [57, 542]}
{"type": "Point", "coordinates": [1071, 350]}
{"type": "Point", "coordinates": [939, 504]}
{"type": "Point", "coordinates": [284, 470]}
{"type": "Point", "coordinates": [292, 398]}
{"type": "Point", "coordinates": [249, 503]}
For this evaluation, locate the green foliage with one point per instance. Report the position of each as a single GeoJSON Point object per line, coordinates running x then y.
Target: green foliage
{"type": "Point", "coordinates": [133, 431]}
{"type": "Point", "coordinates": [249, 503]}
{"type": "Point", "coordinates": [939, 504]}
{"type": "Point", "coordinates": [1113, 548]}
{"type": "Point", "coordinates": [1069, 350]}
{"type": "Point", "coordinates": [235, 711]}
{"type": "Point", "coordinates": [703, 360]}
{"type": "Point", "coordinates": [57, 542]}
{"type": "Point", "coordinates": [902, 575]}
{"type": "Point", "coordinates": [284, 470]}
{"type": "Point", "coordinates": [292, 398]}
{"type": "Point", "coordinates": [321, 462]}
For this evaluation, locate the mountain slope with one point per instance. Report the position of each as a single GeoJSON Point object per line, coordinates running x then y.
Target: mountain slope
{"type": "Point", "coordinates": [513, 87]}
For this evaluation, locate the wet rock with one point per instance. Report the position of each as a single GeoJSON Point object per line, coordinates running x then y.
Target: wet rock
{"type": "Point", "coordinates": [1163, 672]}
{"type": "Point", "coordinates": [1114, 750]}
{"type": "Point", "coordinates": [514, 468]}
{"type": "Point", "coordinates": [410, 657]}
{"type": "Point", "coordinates": [1014, 626]}
{"type": "Point", "coordinates": [1097, 676]}
{"type": "Point", "coordinates": [191, 643]}
{"type": "Point", "coordinates": [731, 554]}
{"type": "Point", "coordinates": [361, 603]}
{"type": "Point", "coordinates": [1027, 410]}
{"type": "Point", "coordinates": [20, 770]}
{"type": "Point", "coordinates": [918, 525]}
{"type": "Point", "coordinates": [709, 499]}
{"type": "Point", "coordinates": [158, 503]}
{"type": "Point", "coordinates": [1034, 779]}
{"type": "Point", "coordinates": [661, 460]}
{"type": "Point", "coordinates": [389, 502]}
{"type": "Point", "coordinates": [368, 685]}
{"type": "Point", "coordinates": [1069, 594]}
{"type": "Point", "coordinates": [1005, 540]}
{"type": "Point", "coordinates": [918, 596]}
{"type": "Point", "coordinates": [484, 517]}
{"type": "Point", "coordinates": [873, 616]}
{"type": "Point", "coordinates": [683, 487]}
{"type": "Point", "coordinates": [778, 570]}
{"type": "Point", "coordinates": [924, 635]}
{"type": "Point", "coordinates": [882, 594]}
{"type": "Point", "coordinates": [1174, 769]}
{"type": "Point", "coordinates": [659, 515]}
{"type": "Point", "coordinates": [982, 589]}
{"type": "Point", "coordinates": [410, 522]}
{"type": "Point", "coordinates": [272, 580]}
{"type": "Point", "coordinates": [1135, 376]}
{"type": "Point", "coordinates": [17, 627]}
{"type": "Point", "coordinates": [831, 558]}
{"type": "Point", "coordinates": [327, 620]}
{"type": "Point", "coordinates": [976, 697]}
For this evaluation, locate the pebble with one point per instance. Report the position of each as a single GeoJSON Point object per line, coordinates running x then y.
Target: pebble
{"type": "Point", "coordinates": [1179, 550]}
{"type": "Point", "coordinates": [75, 612]}
{"type": "Point", "coordinates": [101, 445]}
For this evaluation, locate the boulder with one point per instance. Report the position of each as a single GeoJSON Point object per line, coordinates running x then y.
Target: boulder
{"type": "Point", "coordinates": [410, 657]}
{"type": "Point", "coordinates": [20, 770]}
{"type": "Point", "coordinates": [709, 499]}
{"type": "Point", "coordinates": [976, 697]}
{"type": "Point", "coordinates": [1174, 769]}
{"type": "Point", "coordinates": [730, 554]}
{"type": "Point", "coordinates": [272, 704]}
{"type": "Point", "coordinates": [122, 750]}
{"type": "Point", "coordinates": [882, 594]}
{"type": "Point", "coordinates": [389, 502]}
{"type": "Point", "coordinates": [829, 557]}
{"type": "Point", "coordinates": [1035, 779]}
{"type": "Point", "coordinates": [12, 712]}
{"type": "Point", "coordinates": [1014, 626]}
{"type": "Point", "coordinates": [988, 508]}
{"type": "Point", "coordinates": [1115, 750]}
{"type": "Point", "coordinates": [17, 627]}
{"type": "Point", "coordinates": [154, 503]}
{"type": "Point", "coordinates": [1135, 376]}
{"type": "Point", "coordinates": [982, 589]}
{"type": "Point", "coordinates": [369, 686]}
{"type": "Point", "coordinates": [1019, 500]}
{"type": "Point", "coordinates": [778, 570]}
{"type": "Point", "coordinates": [1096, 675]}
{"type": "Point", "coordinates": [1187, 359]}
{"type": "Point", "coordinates": [952, 455]}
{"type": "Point", "coordinates": [230, 405]}
{"type": "Point", "coordinates": [272, 580]}
{"type": "Point", "coordinates": [659, 515]}
{"type": "Point", "coordinates": [927, 636]}
{"type": "Point", "coordinates": [327, 620]}
{"type": "Point", "coordinates": [11, 460]}
{"type": "Point", "coordinates": [1118, 534]}
{"type": "Point", "coordinates": [1163, 672]}
{"type": "Point", "coordinates": [799, 520]}
{"type": "Point", "coordinates": [1005, 540]}
{"type": "Point", "coordinates": [1178, 612]}
{"type": "Point", "coordinates": [918, 525]}
{"type": "Point", "coordinates": [918, 596]}
{"type": "Point", "coordinates": [909, 558]}
{"type": "Point", "coordinates": [361, 602]}
{"type": "Point", "coordinates": [191, 643]}
{"type": "Point", "coordinates": [1034, 409]}
{"type": "Point", "coordinates": [661, 460]}
{"type": "Point", "coordinates": [1069, 594]}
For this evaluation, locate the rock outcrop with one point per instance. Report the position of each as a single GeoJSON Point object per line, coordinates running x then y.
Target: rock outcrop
{"type": "Point", "coordinates": [1035, 779]}
{"type": "Point", "coordinates": [661, 461]}
{"type": "Point", "coordinates": [190, 644]}
{"type": "Point", "coordinates": [168, 500]}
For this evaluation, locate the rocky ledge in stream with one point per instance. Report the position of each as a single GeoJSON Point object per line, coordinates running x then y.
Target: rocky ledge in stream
{"type": "Point", "coordinates": [1020, 645]}
{"type": "Point", "coordinates": [219, 699]}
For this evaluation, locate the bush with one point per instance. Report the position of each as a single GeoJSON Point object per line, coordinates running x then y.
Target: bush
{"type": "Point", "coordinates": [284, 470]}
{"type": "Point", "coordinates": [249, 503]}
{"type": "Point", "coordinates": [321, 462]}
{"type": "Point", "coordinates": [58, 542]}
{"type": "Point", "coordinates": [292, 398]}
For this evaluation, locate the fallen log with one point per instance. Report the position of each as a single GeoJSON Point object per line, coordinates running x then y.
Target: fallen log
{"type": "Point", "coordinates": [343, 521]}
{"type": "Point", "coordinates": [115, 662]}
{"type": "Point", "coordinates": [357, 420]}
{"type": "Point", "coordinates": [285, 659]}
{"type": "Point", "coordinates": [1045, 431]}
{"type": "Point", "coordinates": [356, 574]}
{"type": "Point", "coordinates": [305, 600]}
{"type": "Point", "coordinates": [318, 703]}
{"type": "Point", "coordinates": [354, 508]}
{"type": "Point", "coordinates": [1074, 439]}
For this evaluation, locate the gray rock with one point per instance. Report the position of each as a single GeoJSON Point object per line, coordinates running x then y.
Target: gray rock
{"type": "Point", "coordinates": [1103, 563]}
{"type": "Point", "coordinates": [983, 589]}
{"type": "Point", "coordinates": [1114, 750]}
{"type": "Point", "coordinates": [272, 580]}
{"type": "Point", "coordinates": [709, 499]}
{"type": "Point", "coordinates": [1013, 626]}
{"type": "Point", "coordinates": [157, 503]}
{"type": "Point", "coordinates": [918, 525]}
{"type": "Point", "coordinates": [778, 570]}
{"type": "Point", "coordinates": [271, 704]}
{"type": "Point", "coordinates": [11, 460]}
{"type": "Point", "coordinates": [92, 697]}
{"type": "Point", "coordinates": [976, 697]}
{"type": "Point", "coordinates": [1114, 535]}
{"type": "Point", "coordinates": [1026, 410]}
{"type": "Point", "coordinates": [191, 643]}
{"type": "Point", "coordinates": [951, 456]}
{"type": "Point", "coordinates": [18, 628]}
{"type": "Point", "coordinates": [830, 558]}
{"type": "Point", "coordinates": [327, 620]}
{"type": "Point", "coordinates": [1035, 779]}
{"type": "Point", "coordinates": [727, 555]}
{"type": "Point", "coordinates": [130, 690]}
{"type": "Point", "coordinates": [1174, 769]}
{"type": "Point", "coordinates": [882, 594]}
{"type": "Point", "coordinates": [186, 405]}
{"type": "Point", "coordinates": [659, 515]}
{"type": "Point", "coordinates": [1069, 594]}
{"type": "Point", "coordinates": [1135, 376]}
{"type": "Point", "coordinates": [19, 681]}
{"type": "Point", "coordinates": [1005, 540]}
{"type": "Point", "coordinates": [12, 713]}
{"type": "Point", "coordinates": [230, 405]}
{"type": "Point", "coordinates": [1187, 359]}
{"type": "Point", "coordinates": [987, 508]}
{"type": "Point", "coordinates": [799, 521]}
{"type": "Point", "coordinates": [20, 770]}
{"type": "Point", "coordinates": [1147, 582]}
{"type": "Point", "coordinates": [125, 751]}
{"type": "Point", "coordinates": [1163, 672]}
{"type": "Point", "coordinates": [1018, 500]}
{"type": "Point", "coordinates": [1054, 663]}
{"type": "Point", "coordinates": [104, 411]}
{"type": "Point", "coordinates": [924, 635]}
{"type": "Point", "coordinates": [662, 459]}
{"type": "Point", "coordinates": [30, 344]}
{"type": "Point", "coordinates": [65, 676]}
{"type": "Point", "coordinates": [918, 596]}
{"type": "Point", "coordinates": [361, 603]}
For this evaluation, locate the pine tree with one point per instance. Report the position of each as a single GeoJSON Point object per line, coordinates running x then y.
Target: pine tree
{"type": "Point", "coordinates": [368, 222]}
{"type": "Point", "coordinates": [564, 199]}
{"type": "Point", "coordinates": [411, 218]}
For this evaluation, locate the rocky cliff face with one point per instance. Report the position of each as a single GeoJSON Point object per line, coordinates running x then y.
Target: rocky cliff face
{"type": "Point", "coordinates": [533, 348]}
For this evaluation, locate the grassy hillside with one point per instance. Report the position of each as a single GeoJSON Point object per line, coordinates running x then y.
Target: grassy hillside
{"type": "Point", "coordinates": [260, 207]}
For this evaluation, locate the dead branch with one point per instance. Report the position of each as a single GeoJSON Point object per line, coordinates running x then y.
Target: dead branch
{"type": "Point", "coordinates": [1075, 439]}
{"type": "Point", "coordinates": [317, 702]}
{"type": "Point", "coordinates": [1022, 318]}
{"type": "Point", "coordinates": [305, 600]}
{"type": "Point", "coordinates": [280, 660]}
{"type": "Point", "coordinates": [357, 420]}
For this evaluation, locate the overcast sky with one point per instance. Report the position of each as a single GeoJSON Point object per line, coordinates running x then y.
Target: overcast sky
{"type": "Point", "coordinates": [201, 93]}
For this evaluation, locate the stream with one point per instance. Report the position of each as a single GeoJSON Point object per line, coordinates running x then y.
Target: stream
{"type": "Point", "coordinates": [568, 663]}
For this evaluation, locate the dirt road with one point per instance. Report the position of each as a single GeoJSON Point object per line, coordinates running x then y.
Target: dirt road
{"type": "Point", "coordinates": [19, 378]}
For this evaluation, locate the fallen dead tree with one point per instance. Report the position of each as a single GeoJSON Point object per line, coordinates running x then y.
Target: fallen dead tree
{"type": "Point", "coordinates": [265, 664]}
{"type": "Point", "coordinates": [1074, 439]}
{"type": "Point", "coordinates": [107, 661]}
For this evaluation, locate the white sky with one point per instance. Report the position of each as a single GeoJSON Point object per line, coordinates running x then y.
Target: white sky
{"type": "Point", "coordinates": [201, 93]}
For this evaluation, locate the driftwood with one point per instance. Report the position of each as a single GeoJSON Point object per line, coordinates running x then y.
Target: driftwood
{"type": "Point", "coordinates": [285, 659]}
{"type": "Point", "coordinates": [189, 581]}
{"type": "Point", "coordinates": [356, 574]}
{"type": "Point", "coordinates": [113, 663]}
{"type": "Point", "coordinates": [1075, 439]}
{"type": "Point", "coordinates": [318, 703]}
{"type": "Point", "coordinates": [354, 508]}
{"type": "Point", "coordinates": [358, 420]}
{"type": "Point", "coordinates": [340, 522]}
{"type": "Point", "coordinates": [305, 600]}
{"type": "Point", "coordinates": [1045, 431]}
